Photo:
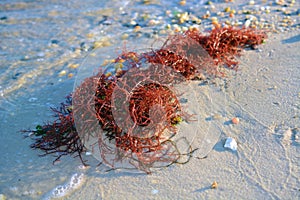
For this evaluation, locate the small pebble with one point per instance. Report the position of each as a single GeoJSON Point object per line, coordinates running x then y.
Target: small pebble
{"type": "Point", "coordinates": [217, 116]}
{"type": "Point", "coordinates": [227, 9]}
{"type": "Point", "coordinates": [184, 28]}
{"type": "Point", "coordinates": [183, 17]}
{"type": "Point", "coordinates": [124, 36]}
{"type": "Point", "coordinates": [182, 3]}
{"type": "Point", "coordinates": [153, 22]}
{"type": "Point", "coordinates": [104, 42]}
{"type": "Point", "coordinates": [73, 66]}
{"type": "Point", "coordinates": [214, 185]}
{"type": "Point", "coordinates": [137, 28]}
{"type": "Point", "coordinates": [214, 19]}
{"type": "Point", "coordinates": [216, 24]}
{"type": "Point", "coordinates": [83, 167]}
{"type": "Point", "coordinates": [231, 144]}
{"type": "Point", "coordinates": [41, 54]}
{"type": "Point", "coordinates": [227, 22]}
{"type": "Point", "coordinates": [62, 73]}
{"type": "Point", "coordinates": [279, 2]}
{"type": "Point", "coordinates": [146, 2]}
{"type": "Point", "coordinates": [247, 23]}
{"type": "Point", "coordinates": [251, 2]}
{"type": "Point", "coordinates": [133, 23]}
{"type": "Point", "coordinates": [90, 35]}
{"type": "Point", "coordinates": [176, 28]}
{"type": "Point", "coordinates": [235, 120]}
{"type": "Point", "coordinates": [221, 14]}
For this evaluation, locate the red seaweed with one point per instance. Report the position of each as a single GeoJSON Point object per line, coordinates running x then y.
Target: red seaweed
{"type": "Point", "coordinates": [134, 113]}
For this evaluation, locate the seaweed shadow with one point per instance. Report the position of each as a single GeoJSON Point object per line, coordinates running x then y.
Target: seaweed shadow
{"type": "Point", "coordinates": [203, 189]}
{"type": "Point", "coordinates": [290, 40]}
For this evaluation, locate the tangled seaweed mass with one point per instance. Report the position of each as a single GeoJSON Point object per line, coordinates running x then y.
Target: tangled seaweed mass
{"type": "Point", "coordinates": [136, 110]}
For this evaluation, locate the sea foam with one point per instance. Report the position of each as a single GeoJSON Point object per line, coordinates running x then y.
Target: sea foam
{"type": "Point", "coordinates": [63, 190]}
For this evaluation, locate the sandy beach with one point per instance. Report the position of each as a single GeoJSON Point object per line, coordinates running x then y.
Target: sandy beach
{"type": "Point", "coordinates": [42, 47]}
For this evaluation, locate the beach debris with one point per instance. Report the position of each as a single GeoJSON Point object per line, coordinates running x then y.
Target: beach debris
{"type": "Point", "coordinates": [235, 120]}
{"type": "Point", "coordinates": [214, 185]}
{"type": "Point", "coordinates": [230, 143]}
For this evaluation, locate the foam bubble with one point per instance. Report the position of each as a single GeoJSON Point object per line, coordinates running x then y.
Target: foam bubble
{"type": "Point", "coordinates": [63, 190]}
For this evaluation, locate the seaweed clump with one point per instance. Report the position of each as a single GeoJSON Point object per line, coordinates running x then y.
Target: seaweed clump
{"type": "Point", "coordinates": [59, 137]}
{"type": "Point", "coordinates": [136, 111]}
{"type": "Point", "coordinates": [133, 113]}
{"type": "Point", "coordinates": [224, 44]}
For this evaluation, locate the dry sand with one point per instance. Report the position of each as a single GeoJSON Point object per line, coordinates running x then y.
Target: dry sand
{"type": "Point", "coordinates": [264, 94]}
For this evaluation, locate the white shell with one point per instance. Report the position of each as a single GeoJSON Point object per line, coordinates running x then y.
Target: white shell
{"type": "Point", "coordinates": [247, 23]}
{"type": "Point", "coordinates": [231, 144]}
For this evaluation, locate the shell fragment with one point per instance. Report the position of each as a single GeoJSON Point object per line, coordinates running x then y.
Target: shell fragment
{"type": "Point", "coordinates": [231, 144]}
